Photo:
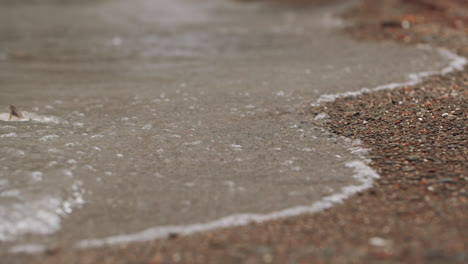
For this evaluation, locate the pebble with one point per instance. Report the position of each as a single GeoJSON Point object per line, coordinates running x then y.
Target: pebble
{"type": "Point", "coordinates": [413, 158]}
{"type": "Point", "coordinates": [407, 168]}
{"type": "Point", "coordinates": [445, 180]}
{"type": "Point", "coordinates": [451, 117]}
{"type": "Point", "coordinates": [379, 242]}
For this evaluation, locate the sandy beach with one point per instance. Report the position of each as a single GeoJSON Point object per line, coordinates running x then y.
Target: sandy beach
{"type": "Point", "coordinates": [417, 212]}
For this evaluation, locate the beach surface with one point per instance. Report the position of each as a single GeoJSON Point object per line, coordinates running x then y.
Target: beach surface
{"type": "Point", "coordinates": [147, 127]}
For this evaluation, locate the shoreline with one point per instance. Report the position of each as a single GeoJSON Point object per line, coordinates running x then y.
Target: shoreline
{"type": "Point", "coordinates": [427, 210]}
{"type": "Point", "coordinates": [363, 173]}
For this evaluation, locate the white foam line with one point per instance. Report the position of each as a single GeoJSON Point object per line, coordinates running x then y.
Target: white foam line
{"type": "Point", "coordinates": [28, 249]}
{"type": "Point", "coordinates": [456, 64]}
{"type": "Point", "coordinates": [30, 117]}
{"type": "Point", "coordinates": [362, 173]}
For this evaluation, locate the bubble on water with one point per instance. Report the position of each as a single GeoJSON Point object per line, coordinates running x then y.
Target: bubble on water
{"type": "Point", "coordinates": [236, 147]}
{"type": "Point", "coordinates": [90, 167]}
{"type": "Point", "coordinates": [66, 206]}
{"type": "Point", "coordinates": [52, 163]}
{"type": "Point", "coordinates": [67, 173]}
{"type": "Point", "coordinates": [8, 127]}
{"type": "Point", "coordinates": [38, 216]}
{"type": "Point", "coordinates": [36, 176]}
{"type": "Point", "coordinates": [359, 151]}
{"type": "Point", "coordinates": [10, 193]}
{"type": "Point", "coordinates": [53, 150]}
{"type": "Point", "coordinates": [280, 93]}
{"type": "Point", "coordinates": [12, 134]}
{"type": "Point", "coordinates": [296, 168]}
{"type": "Point", "coordinates": [147, 126]}
{"type": "Point", "coordinates": [78, 113]}
{"type": "Point", "coordinates": [48, 137]}
{"type": "Point", "coordinates": [192, 143]}
{"type": "Point", "coordinates": [189, 184]}
{"type": "Point", "coordinates": [78, 124]}
{"type": "Point", "coordinates": [119, 155]}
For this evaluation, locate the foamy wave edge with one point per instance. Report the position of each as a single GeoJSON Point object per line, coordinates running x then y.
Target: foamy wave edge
{"type": "Point", "coordinates": [457, 63]}
{"type": "Point", "coordinates": [29, 116]}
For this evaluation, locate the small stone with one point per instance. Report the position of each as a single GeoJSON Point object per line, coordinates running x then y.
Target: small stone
{"type": "Point", "coordinates": [379, 242]}
{"type": "Point", "coordinates": [413, 158]}
{"type": "Point", "coordinates": [451, 117]}
{"type": "Point", "coordinates": [172, 235]}
{"type": "Point", "coordinates": [445, 180]}
{"type": "Point", "coordinates": [348, 133]}
{"type": "Point", "coordinates": [52, 249]}
{"type": "Point", "coordinates": [407, 168]}
{"type": "Point", "coordinates": [457, 111]}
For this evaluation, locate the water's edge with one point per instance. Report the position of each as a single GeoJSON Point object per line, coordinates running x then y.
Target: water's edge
{"type": "Point", "coordinates": [362, 173]}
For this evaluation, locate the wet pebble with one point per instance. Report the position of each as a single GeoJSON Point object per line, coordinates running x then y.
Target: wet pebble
{"type": "Point", "coordinates": [413, 158]}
